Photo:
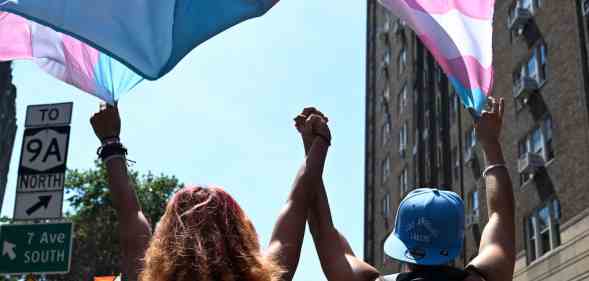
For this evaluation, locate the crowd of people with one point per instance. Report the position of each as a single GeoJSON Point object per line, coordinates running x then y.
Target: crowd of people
{"type": "Point", "coordinates": [205, 235]}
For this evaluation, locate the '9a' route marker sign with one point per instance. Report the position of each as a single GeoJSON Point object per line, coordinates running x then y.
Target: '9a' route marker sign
{"type": "Point", "coordinates": [41, 174]}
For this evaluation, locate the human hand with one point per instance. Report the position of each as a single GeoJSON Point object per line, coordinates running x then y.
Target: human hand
{"type": "Point", "coordinates": [312, 123]}
{"type": "Point", "coordinates": [106, 123]}
{"type": "Point", "coordinates": [488, 126]}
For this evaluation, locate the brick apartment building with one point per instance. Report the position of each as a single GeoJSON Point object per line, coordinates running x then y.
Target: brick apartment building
{"type": "Point", "coordinates": [7, 123]}
{"type": "Point", "coordinates": [417, 133]}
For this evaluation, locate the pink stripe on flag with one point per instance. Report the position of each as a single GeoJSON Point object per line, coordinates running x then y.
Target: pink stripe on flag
{"type": "Point", "coordinates": [479, 9]}
{"type": "Point", "coordinates": [15, 38]}
{"type": "Point", "coordinates": [80, 60]}
{"type": "Point", "coordinates": [466, 69]}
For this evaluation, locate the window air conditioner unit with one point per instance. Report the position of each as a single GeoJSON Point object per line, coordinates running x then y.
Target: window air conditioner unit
{"type": "Point", "coordinates": [518, 19]}
{"type": "Point", "coordinates": [530, 163]}
{"type": "Point", "coordinates": [524, 88]}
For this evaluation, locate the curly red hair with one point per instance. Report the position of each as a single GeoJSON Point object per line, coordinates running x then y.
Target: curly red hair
{"type": "Point", "coordinates": [205, 235]}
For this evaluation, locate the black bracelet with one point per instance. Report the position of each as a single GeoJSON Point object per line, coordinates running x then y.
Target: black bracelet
{"type": "Point", "coordinates": [111, 149]}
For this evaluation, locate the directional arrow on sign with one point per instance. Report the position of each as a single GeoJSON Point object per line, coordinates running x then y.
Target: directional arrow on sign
{"type": "Point", "coordinates": [8, 250]}
{"type": "Point", "coordinates": [43, 202]}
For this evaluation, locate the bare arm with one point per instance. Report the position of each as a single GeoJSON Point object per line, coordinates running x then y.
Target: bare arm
{"type": "Point", "coordinates": [289, 231]}
{"type": "Point", "coordinates": [338, 261]}
{"type": "Point", "coordinates": [134, 230]}
{"type": "Point", "coordinates": [496, 257]}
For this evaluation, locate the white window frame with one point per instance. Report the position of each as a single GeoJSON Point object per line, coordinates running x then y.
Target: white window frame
{"type": "Point", "coordinates": [533, 235]}
{"type": "Point", "coordinates": [402, 60]}
{"type": "Point", "coordinates": [470, 141]}
{"type": "Point", "coordinates": [475, 203]}
{"type": "Point", "coordinates": [386, 132]}
{"type": "Point", "coordinates": [403, 139]}
{"type": "Point", "coordinates": [403, 98]}
{"type": "Point", "coordinates": [542, 130]}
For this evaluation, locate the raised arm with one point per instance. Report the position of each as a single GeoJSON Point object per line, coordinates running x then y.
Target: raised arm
{"type": "Point", "coordinates": [338, 261]}
{"type": "Point", "coordinates": [134, 230]}
{"type": "Point", "coordinates": [496, 257]}
{"type": "Point", "coordinates": [289, 231]}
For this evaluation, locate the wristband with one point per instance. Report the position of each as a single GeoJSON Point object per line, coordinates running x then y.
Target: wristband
{"type": "Point", "coordinates": [110, 149]}
{"type": "Point", "coordinates": [494, 166]}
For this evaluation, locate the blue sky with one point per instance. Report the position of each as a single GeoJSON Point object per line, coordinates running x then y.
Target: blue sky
{"type": "Point", "coordinates": [224, 115]}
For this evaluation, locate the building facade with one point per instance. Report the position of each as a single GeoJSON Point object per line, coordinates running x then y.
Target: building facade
{"type": "Point", "coordinates": [7, 123]}
{"type": "Point", "coordinates": [418, 134]}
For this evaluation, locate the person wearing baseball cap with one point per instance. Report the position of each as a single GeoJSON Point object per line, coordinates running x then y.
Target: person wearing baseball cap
{"type": "Point", "coordinates": [429, 225]}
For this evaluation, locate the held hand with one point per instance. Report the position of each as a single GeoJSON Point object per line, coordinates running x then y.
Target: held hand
{"type": "Point", "coordinates": [106, 122]}
{"type": "Point", "coordinates": [488, 127]}
{"type": "Point", "coordinates": [312, 123]}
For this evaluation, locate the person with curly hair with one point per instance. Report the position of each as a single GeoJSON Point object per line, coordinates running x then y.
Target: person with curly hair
{"type": "Point", "coordinates": [204, 235]}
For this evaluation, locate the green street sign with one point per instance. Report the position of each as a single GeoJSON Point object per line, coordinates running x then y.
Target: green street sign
{"type": "Point", "coordinates": [36, 248]}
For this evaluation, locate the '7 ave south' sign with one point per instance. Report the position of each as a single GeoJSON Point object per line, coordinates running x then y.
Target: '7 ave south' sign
{"type": "Point", "coordinates": [35, 248]}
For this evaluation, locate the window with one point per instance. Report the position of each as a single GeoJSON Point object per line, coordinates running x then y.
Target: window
{"type": "Point", "coordinates": [386, 169]}
{"type": "Point", "coordinates": [470, 142]}
{"type": "Point", "coordinates": [384, 102]}
{"type": "Point", "coordinates": [403, 185]}
{"type": "Point", "coordinates": [531, 5]}
{"type": "Point", "coordinates": [455, 105]}
{"type": "Point", "coordinates": [386, 132]}
{"type": "Point", "coordinates": [535, 67]}
{"type": "Point", "coordinates": [386, 60]}
{"type": "Point", "coordinates": [456, 163]}
{"type": "Point", "coordinates": [402, 98]}
{"type": "Point", "coordinates": [474, 203]}
{"type": "Point", "coordinates": [386, 94]}
{"type": "Point", "coordinates": [543, 230]}
{"type": "Point", "coordinates": [539, 141]}
{"type": "Point", "coordinates": [403, 140]}
{"type": "Point", "coordinates": [386, 205]}
{"type": "Point", "coordinates": [402, 60]}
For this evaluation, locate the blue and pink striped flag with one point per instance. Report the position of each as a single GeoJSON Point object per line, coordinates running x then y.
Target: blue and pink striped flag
{"type": "Point", "coordinates": [106, 47]}
{"type": "Point", "coordinates": [459, 34]}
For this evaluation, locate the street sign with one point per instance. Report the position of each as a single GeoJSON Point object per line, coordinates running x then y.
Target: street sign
{"type": "Point", "coordinates": [38, 205]}
{"type": "Point", "coordinates": [45, 115]}
{"type": "Point", "coordinates": [44, 150]}
{"type": "Point", "coordinates": [43, 157]}
{"type": "Point", "coordinates": [36, 248]}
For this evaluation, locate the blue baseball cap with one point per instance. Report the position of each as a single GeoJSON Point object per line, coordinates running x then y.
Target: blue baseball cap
{"type": "Point", "coordinates": [429, 228]}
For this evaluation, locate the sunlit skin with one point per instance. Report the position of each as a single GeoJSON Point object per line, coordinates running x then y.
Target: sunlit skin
{"type": "Point", "coordinates": [204, 234]}
{"type": "Point", "coordinates": [496, 257]}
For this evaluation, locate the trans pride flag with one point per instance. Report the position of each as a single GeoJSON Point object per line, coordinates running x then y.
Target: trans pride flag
{"type": "Point", "coordinates": [459, 34]}
{"type": "Point", "coordinates": [98, 46]}
{"type": "Point", "coordinates": [65, 58]}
